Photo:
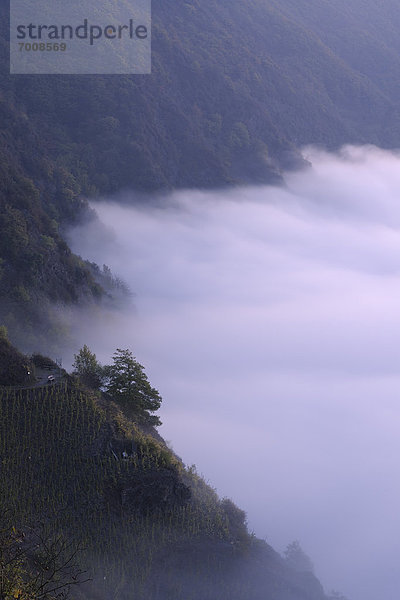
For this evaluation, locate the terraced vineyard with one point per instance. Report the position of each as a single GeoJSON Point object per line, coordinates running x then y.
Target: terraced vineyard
{"type": "Point", "coordinates": [149, 528]}
{"type": "Point", "coordinates": [73, 462]}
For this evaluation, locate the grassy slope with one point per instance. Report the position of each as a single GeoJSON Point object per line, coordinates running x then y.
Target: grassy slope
{"type": "Point", "coordinates": [151, 528]}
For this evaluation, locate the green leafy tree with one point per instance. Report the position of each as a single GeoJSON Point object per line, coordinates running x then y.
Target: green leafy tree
{"type": "Point", "coordinates": [129, 386]}
{"type": "Point", "coordinates": [88, 368]}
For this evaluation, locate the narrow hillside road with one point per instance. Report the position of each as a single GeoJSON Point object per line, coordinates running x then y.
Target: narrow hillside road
{"type": "Point", "coordinates": [46, 377]}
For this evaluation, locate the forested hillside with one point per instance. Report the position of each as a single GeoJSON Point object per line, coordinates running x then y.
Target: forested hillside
{"type": "Point", "coordinates": [236, 89]}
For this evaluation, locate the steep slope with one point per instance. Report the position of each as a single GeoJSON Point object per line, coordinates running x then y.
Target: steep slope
{"type": "Point", "coordinates": [284, 71]}
{"type": "Point", "coordinates": [15, 368]}
{"type": "Point", "coordinates": [236, 88]}
{"type": "Point", "coordinates": [151, 528]}
{"type": "Point", "coordinates": [364, 34]}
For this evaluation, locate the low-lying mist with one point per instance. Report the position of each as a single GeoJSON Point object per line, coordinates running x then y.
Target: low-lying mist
{"type": "Point", "coordinates": [269, 319]}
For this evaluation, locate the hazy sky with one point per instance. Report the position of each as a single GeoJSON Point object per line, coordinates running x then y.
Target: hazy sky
{"type": "Point", "coordinates": [269, 319]}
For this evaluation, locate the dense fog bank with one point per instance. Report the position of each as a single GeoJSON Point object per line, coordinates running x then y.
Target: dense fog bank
{"type": "Point", "coordinates": [269, 319]}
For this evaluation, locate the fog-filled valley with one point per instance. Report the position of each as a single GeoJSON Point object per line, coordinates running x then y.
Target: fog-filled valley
{"type": "Point", "coordinates": [226, 229]}
{"type": "Point", "coordinates": [268, 318]}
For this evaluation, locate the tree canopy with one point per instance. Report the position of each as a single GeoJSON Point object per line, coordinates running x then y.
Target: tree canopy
{"type": "Point", "coordinates": [88, 368]}
{"type": "Point", "coordinates": [130, 387]}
